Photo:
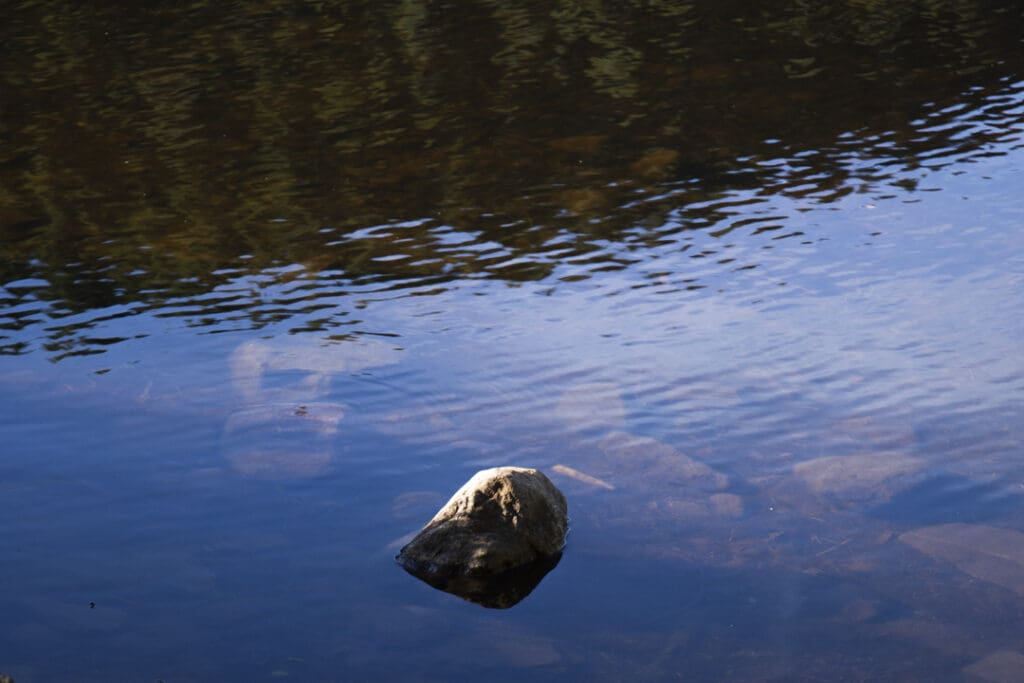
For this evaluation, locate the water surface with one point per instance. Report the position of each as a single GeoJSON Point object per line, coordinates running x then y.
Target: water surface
{"type": "Point", "coordinates": [276, 278]}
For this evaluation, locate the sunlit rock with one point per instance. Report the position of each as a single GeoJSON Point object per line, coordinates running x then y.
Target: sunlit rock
{"type": "Point", "coordinates": [987, 553]}
{"type": "Point", "coordinates": [874, 476]}
{"type": "Point", "coordinates": [494, 540]}
{"type": "Point", "coordinates": [501, 518]}
{"type": "Point", "coordinates": [1003, 666]}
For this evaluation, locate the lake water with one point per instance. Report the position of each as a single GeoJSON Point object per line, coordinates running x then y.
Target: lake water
{"type": "Point", "coordinates": [276, 278]}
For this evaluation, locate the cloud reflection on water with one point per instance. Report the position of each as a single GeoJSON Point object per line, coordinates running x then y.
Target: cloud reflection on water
{"type": "Point", "coordinates": [285, 424]}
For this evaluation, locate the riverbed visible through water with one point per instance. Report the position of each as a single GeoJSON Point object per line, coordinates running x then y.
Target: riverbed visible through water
{"type": "Point", "coordinates": [746, 282]}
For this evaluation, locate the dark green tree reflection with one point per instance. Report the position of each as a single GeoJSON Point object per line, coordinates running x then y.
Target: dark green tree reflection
{"type": "Point", "coordinates": [153, 152]}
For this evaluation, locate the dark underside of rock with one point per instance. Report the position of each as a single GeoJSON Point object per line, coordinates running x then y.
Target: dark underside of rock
{"type": "Point", "coordinates": [496, 591]}
{"type": "Point", "coordinates": [494, 540]}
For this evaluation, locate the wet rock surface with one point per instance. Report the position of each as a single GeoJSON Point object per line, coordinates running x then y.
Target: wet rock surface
{"type": "Point", "coordinates": [493, 541]}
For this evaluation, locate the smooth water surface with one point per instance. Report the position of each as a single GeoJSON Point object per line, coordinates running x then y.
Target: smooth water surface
{"type": "Point", "coordinates": [747, 282]}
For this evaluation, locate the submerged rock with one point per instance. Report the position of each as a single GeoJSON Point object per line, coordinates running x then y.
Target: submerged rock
{"type": "Point", "coordinates": [646, 463]}
{"type": "Point", "coordinates": [874, 476]}
{"type": "Point", "coordinates": [494, 539]}
{"type": "Point", "coordinates": [1003, 666]}
{"type": "Point", "coordinates": [988, 553]}
{"type": "Point", "coordinates": [874, 432]}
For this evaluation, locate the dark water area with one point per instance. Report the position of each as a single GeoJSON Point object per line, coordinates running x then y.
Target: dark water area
{"type": "Point", "coordinates": [746, 281]}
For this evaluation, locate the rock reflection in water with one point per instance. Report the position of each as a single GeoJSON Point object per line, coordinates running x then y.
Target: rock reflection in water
{"type": "Point", "coordinates": [496, 591]}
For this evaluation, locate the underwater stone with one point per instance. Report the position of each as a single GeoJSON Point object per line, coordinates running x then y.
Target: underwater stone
{"type": "Point", "coordinates": [988, 553]}
{"type": "Point", "coordinates": [873, 476]}
{"type": "Point", "coordinates": [1003, 666]}
{"type": "Point", "coordinates": [501, 520]}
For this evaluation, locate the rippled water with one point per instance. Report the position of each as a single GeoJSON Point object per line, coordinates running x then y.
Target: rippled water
{"type": "Point", "coordinates": [748, 283]}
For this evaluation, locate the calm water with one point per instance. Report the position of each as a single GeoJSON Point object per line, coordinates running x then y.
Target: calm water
{"type": "Point", "coordinates": [277, 277]}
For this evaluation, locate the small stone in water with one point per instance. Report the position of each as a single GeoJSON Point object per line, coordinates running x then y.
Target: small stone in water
{"type": "Point", "coordinates": [501, 518]}
{"type": "Point", "coordinates": [494, 540]}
